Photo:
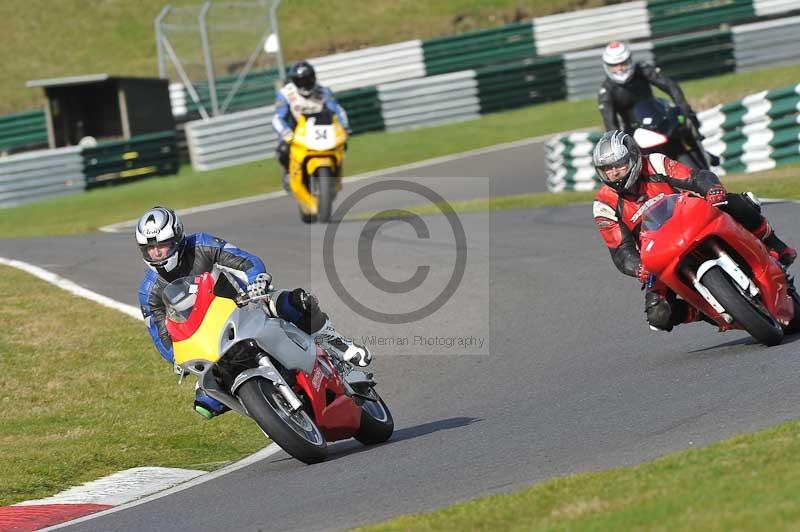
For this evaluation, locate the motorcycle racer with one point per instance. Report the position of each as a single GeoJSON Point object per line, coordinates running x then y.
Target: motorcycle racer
{"type": "Point", "coordinates": [170, 254]}
{"type": "Point", "coordinates": [630, 182]}
{"type": "Point", "coordinates": [302, 95]}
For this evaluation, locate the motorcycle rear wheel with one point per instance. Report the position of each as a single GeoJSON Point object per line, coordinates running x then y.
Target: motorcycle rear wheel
{"type": "Point", "coordinates": [377, 424]}
{"type": "Point", "coordinates": [326, 183]}
{"type": "Point", "coordinates": [296, 433]}
{"type": "Point", "coordinates": [750, 315]}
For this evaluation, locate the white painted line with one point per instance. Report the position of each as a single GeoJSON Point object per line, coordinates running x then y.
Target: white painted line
{"type": "Point", "coordinates": [121, 487]}
{"type": "Point", "coordinates": [128, 485]}
{"type": "Point", "coordinates": [73, 288]}
{"type": "Point", "coordinates": [129, 224]}
{"type": "Point", "coordinates": [260, 455]}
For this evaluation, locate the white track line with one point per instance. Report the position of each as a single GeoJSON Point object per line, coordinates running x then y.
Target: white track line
{"type": "Point", "coordinates": [134, 312]}
{"type": "Point", "coordinates": [73, 288]}
{"type": "Point", "coordinates": [244, 462]}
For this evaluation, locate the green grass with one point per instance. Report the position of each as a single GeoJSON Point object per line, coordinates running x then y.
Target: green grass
{"type": "Point", "coordinates": [751, 482]}
{"type": "Point", "coordinates": [84, 393]}
{"type": "Point", "coordinates": [88, 211]}
{"type": "Point", "coordinates": [48, 39]}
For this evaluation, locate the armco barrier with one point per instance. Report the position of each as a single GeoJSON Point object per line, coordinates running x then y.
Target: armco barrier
{"type": "Point", "coordinates": [681, 16]}
{"type": "Point", "coordinates": [371, 66]}
{"type": "Point", "coordinates": [431, 100]}
{"type": "Point", "coordinates": [590, 27]}
{"type": "Point", "coordinates": [25, 129]}
{"type": "Point", "coordinates": [767, 8]}
{"type": "Point", "coordinates": [37, 175]}
{"type": "Point", "coordinates": [231, 139]}
{"type": "Point", "coordinates": [521, 83]}
{"type": "Point", "coordinates": [766, 44]}
{"type": "Point", "coordinates": [479, 48]}
{"type": "Point", "coordinates": [758, 132]}
{"type": "Point", "coordinates": [699, 55]}
{"type": "Point", "coordinates": [363, 109]}
{"type": "Point", "coordinates": [137, 157]}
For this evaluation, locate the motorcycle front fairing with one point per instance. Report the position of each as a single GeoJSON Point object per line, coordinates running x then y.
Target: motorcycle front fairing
{"type": "Point", "coordinates": [681, 227]}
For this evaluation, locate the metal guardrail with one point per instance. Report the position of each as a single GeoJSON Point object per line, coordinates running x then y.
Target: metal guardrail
{"type": "Point", "coordinates": [766, 8]}
{"type": "Point", "coordinates": [585, 73]}
{"type": "Point", "coordinates": [591, 27]}
{"type": "Point", "coordinates": [698, 55]}
{"type": "Point", "coordinates": [134, 158]}
{"type": "Point", "coordinates": [474, 49]}
{"type": "Point", "coordinates": [767, 44]}
{"type": "Point", "coordinates": [24, 129]}
{"type": "Point", "coordinates": [371, 66]}
{"type": "Point", "coordinates": [681, 16]}
{"type": "Point", "coordinates": [36, 175]}
{"type": "Point", "coordinates": [427, 101]}
{"type": "Point", "coordinates": [231, 139]}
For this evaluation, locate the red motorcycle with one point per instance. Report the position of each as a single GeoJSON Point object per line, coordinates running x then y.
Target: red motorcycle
{"type": "Point", "coordinates": [269, 370]}
{"type": "Point", "coordinates": [717, 266]}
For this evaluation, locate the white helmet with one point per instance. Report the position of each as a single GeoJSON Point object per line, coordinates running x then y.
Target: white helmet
{"type": "Point", "coordinates": [617, 62]}
{"type": "Point", "coordinates": [160, 228]}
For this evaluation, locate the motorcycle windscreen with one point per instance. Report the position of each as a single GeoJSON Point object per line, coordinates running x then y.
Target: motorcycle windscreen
{"type": "Point", "coordinates": [659, 213]}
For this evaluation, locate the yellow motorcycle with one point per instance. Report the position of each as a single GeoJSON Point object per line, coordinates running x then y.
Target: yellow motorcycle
{"type": "Point", "coordinates": [316, 156]}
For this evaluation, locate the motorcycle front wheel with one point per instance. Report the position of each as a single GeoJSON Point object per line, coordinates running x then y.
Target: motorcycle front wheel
{"type": "Point", "coordinates": [295, 432]}
{"type": "Point", "coordinates": [327, 183]}
{"type": "Point", "coordinates": [748, 313]}
{"type": "Point", "coordinates": [377, 424]}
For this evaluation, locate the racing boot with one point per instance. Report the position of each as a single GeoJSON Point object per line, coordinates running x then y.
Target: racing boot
{"type": "Point", "coordinates": [207, 406]}
{"type": "Point", "coordinates": [779, 250]}
{"type": "Point", "coordinates": [341, 347]}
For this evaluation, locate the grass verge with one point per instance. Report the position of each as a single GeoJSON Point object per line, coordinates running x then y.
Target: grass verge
{"type": "Point", "coordinates": [88, 211]}
{"type": "Point", "coordinates": [751, 482]}
{"type": "Point", "coordinates": [84, 394]}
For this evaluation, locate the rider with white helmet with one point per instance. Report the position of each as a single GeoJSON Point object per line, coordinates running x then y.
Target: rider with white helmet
{"type": "Point", "coordinates": [170, 254]}
{"type": "Point", "coordinates": [627, 83]}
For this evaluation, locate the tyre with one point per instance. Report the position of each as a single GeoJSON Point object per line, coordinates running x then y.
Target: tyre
{"type": "Point", "coordinates": [326, 182]}
{"type": "Point", "coordinates": [296, 433]}
{"type": "Point", "coordinates": [794, 325]}
{"type": "Point", "coordinates": [377, 424]}
{"type": "Point", "coordinates": [749, 313]}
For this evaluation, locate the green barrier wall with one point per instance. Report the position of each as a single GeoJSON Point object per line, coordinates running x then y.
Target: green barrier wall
{"type": "Point", "coordinates": [681, 16]}
{"type": "Point", "coordinates": [475, 49]}
{"type": "Point", "coordinates": [27, 129]}
{"type": "Point", "coordinates": [698, 55]}
{"type": "Point", "coordinates": [521, 83]}
{"type": "Point", "coordinates": [135, 158]}
{"type": "Point", "coordinates": [363, 109]}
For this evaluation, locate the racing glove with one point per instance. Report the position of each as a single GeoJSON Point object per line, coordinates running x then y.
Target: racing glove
{"type": "Point", "coordinates": [716, 194]}
{"type": "Point", "coordinates": [288, 136]}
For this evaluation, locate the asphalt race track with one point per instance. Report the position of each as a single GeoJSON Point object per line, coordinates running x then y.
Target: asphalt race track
{"type": "Point", "coordinates": [571, 379]}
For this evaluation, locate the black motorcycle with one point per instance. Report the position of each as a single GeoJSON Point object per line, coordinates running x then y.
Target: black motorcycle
{"type": "Point", "coordinates": [660, 127]}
